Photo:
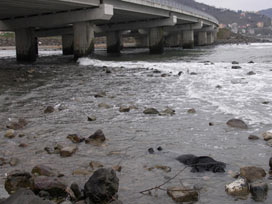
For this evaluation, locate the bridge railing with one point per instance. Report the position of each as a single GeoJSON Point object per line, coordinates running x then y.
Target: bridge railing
{"type": "Point", "coordinates": [177, 5]}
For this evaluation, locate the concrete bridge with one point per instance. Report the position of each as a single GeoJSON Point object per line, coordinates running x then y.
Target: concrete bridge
{"type": "Point", "coordinates": [153, 23]}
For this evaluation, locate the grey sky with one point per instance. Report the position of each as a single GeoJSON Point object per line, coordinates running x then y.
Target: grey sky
{"type": "Point", "coordinates": [245, 5]}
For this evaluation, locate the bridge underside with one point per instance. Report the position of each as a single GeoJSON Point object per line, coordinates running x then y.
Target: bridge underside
{"type": "Point", "coordinates": [82, 20]}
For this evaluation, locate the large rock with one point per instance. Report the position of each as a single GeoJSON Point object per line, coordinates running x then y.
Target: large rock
{"type": "Point", "coordinates": [252, 173]}
{"type": "Point", "coordinates": [267, 135]}
{"type": "Point", "coordinates": [237, 123]}
{"type": "Point", "coordinates": [25, 196]}
{"type": "Point", "coordinates": [97, 138]}
{"type": "Point", "coordinates": [68, 151]}
{"type": "Point", "coordinates": [238, 188]}
{"type": "Point", "coordinates": [43, 170]}
{"type": "Point", "coordinates": [181, 194]}
{"type": "Point", "coordinates": [18, 179]}
{"type": "Point", "coordinates": [151, 111]}
{"type": "Point", "coordinates": [75, 138]}
{"type": "Point", "coordinates": [102, 186]}
{"type": "Point", "coordinates": [54, 186]}
{"type": "Point", "coordinates": [259, 190]}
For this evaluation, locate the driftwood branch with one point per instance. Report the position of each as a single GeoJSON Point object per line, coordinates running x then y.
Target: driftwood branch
{"type": "Point", "coordinates": [159, 187]}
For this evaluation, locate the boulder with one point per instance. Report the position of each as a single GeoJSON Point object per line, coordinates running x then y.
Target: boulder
{"type": "Point", "coordinates": [76, 190]}
{"type": "Point", "coordinates": [102, 186]}
{"type": "Point", "coordinates": [251, 62]}
{"type": "Point", "coordinates": [251, 73]}
{"type": "Point", "coordinates": [53, 185]}
{"type": "Point", "coordinates": [237, 123]}
{"type": "Point", "coordinates": [104, 106]}
{"type": "Point", "coordinates": [253, 137]}
{"type": "Point", "coordinates": [25, 196]}
{"type": "Point", "coordinates": [91, 118]}
{"type": "Point", "coordinates": [124, 109]}
{"type": "Point", "coordinates": [18, 179]}
{"type": "Point", "coordinates": [237, 188]}
{"type": "Point", "coordinates": [267, 135]}
{"type": "Point", "coordinates": [75, 138]}
{"type": "Point", "coordinates": [252, 173]}
{"type": "Point", "coordinates": [151, 111]}
{"type": "Point", "coordinates": [96, 164]}
{"type": "Point", "coordinates": [49, 109]}
{"type": "Point", "coordinates": [100, 94]}
{"type": "Point", "coordinates": [68, 151]}
{"type": "Point", "coordinates": [97, 138]}
{"type": "Point", "coordinates": [192, 110]}
{"type": "Point", "coordinates": [10, 134]}
{"type": "Point", "coordinates": [234, 62]}
{"type": "Point", "coordinates": [181, 194]}
{"type": "Point", "coordinates": [259, 190]}
{"type": "Point", "coordinates": [43, 170]}
{"type": "Point", "coordinates": [236, 67]}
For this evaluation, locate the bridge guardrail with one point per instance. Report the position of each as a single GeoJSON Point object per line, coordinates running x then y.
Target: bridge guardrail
{"type": "Point", "coordinates": [177, 5]}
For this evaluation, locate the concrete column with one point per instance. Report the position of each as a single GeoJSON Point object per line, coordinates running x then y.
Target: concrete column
{"type": "Point", "coordinates": [67, 44]}
{"type": "Point", "coordinates": [141, 41]}
{"type": "Point", "coordinates": [202, 38]}
{"type": "Point", "coordinates": [173, 40]}
{"type": "Point", "coordinates": [114, 42]}
{"type": "Point", "coordinates": [26, 45]}
{"type": "Point", "coordinates": [83, 39]}
{"type": "Point", "coordinates": [188, 39]}
{"type": "Point", "coordinates": [210, 38]}
{"type": "Point", "coordinates": [156, 40]}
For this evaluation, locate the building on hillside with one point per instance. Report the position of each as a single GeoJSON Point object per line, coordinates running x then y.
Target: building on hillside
{"type": "Point", "coordinates": [260, 24]}
{"type": "Point", "coordinates": [222, 25]}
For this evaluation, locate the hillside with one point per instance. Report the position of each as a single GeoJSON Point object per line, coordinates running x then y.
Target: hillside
{"type": "Point", "coordinates": [267, 12]}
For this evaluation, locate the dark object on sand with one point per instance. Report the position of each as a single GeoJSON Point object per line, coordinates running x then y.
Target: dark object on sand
{"type": "Point", "coordinates": [202, 163]}
{"type": "Point", "coordinates": [151, 151]}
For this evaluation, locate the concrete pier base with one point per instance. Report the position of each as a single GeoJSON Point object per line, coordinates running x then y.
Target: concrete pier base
{"type": "Point", "coordinates": [202, 38]}
{"type": "Point", "coordinates": [26, 45]}
{"type": "Point", "coordinates": [173, 40]}
{"type": "Point", "coordinates": [83, 39]}
{"type": "Point", "coordinates": [114, 42]}
{"type": "Point", "coordinates": [141, 41]}
{"type": "Point", "coordinates": [188, 39]}
{"type": "Point", "coordinates": [210, 38]}
{"type": "Point", "coordinates": [156, 40]}
{"type": "Point", "coordinates": [67, 44]}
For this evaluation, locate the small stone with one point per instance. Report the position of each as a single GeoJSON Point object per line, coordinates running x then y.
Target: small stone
{"type": "Point", "coordinates": [100, 94]}
{"type": "Point", "coordinates": [13, 161]}
{"type": "Point", "coordinates": [159, 148]}
{"type": "Point", "coordinates": [75, 138]}
{"type": "Point", "coordinates": [21, 135]}
{"type": "Point", "coordinates": [117, 168]}
{"type": "Point", "coordinates": [252, 173]}
{"type": "Point", "coordinates": [267, 135]}
{"type": "Point", "coordinates": [43, 170]}
{"type": "Point", "coordinates": [49, 109]}
{"type": "Point", "coordinates": [253, 137]}
{"type": "Point", "coordinates": [91, 118]}
{"type": "Point", "coordinates": [237, 123]}
{"type": "Point", "coordinates": [151, 151]}
{"type": "Point", "coordinates": [151, 111]}
{"type": "Point", "coordinates": [235, 62]}
{"type": "Point", "coordinates": [236, 67]}
{"type": "Point", "coordinates": [81, 172]}
{"type": "Point", "coordinates": [124, 109]}
{"type": "Point", "coordinates": [218, 87]}
{"type": "Point", "coordinates": [168, 111]}
{"type": "Point", "coordinates": [164, 75]}
{"type": "Point", "coordinates": [23, 145]}
{"type": "Point", "coordinates": [193, 73]}
{"type": "Point", "coordinates": [211, 124]}
{"type": "Point", "coordinates": [180, 73]}
{"type": "Point", "coordinates": [104, 106]}
{"type": "Point", "coordinates": [238, 188]}
{"type": "Point", "coordinates": [68, 151]}
{"type": "Point", "coordinates": [259, 191]}
{"type": "Point", "coordinates": [10, 134]}
{"type": "Point", "coordinates": [97, 138]}
{"type": "Point", "coordinates": [166, 169]}
{"type": "Point", "coordinates": [251, 73]}
{"type": "Point", "coordinates": [181, 194]}
{"type": "Point", "coordinates": [96, 165]}
{"type": "Point", "coordinates": [192, 111]}
{"type": "Point", "coordinates": [265, 102]}
{"type": "Point", "coordinates": [250, 62]}
{"type": "Point", "coordinates": [108, 71]}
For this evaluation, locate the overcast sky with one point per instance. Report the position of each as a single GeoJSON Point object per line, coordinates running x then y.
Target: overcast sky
{"type": "Point", "coordinates": [245, 5]}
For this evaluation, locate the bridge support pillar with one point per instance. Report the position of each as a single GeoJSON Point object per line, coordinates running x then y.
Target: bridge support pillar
{"type": "Point", "coordinates": [114, 42]}
{"type": "Point", "coordinates": [188, 39]}
{"type": "Point", "coordinates": [202, 38]}
{"type": "Point", "coordinates": [83, 39]}
{"type": "Point", "coordinates": [26, 45]}
{"type": "Point", "coordinates": [156, 40]}
{"type": "Point", "coordinates": [141, 41]}
{"type": "Point", "coordinates": [173, 40]}
{"type": "Point", "coordinates": [210, 38]}
{"type": "Point", "coordinates": [67, 44]}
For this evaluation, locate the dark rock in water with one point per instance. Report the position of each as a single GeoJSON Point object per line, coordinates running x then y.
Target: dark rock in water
{"type": "Point", "coordinates": [49, 109]}
{"type": "Point", "coordinates": [108, 71]}
{"type": "Point", "coordinates": [192, 110]}
{"type": "Point", "coordinates": [151, 151]}
{"type": "Point", "coordinates": [265, 102]}
{"type": "Point", "coordinates": [124, 109]}
{"type": "Point", "coordinates": [259, 191]}
{"type": "Point", "coordinates": [250, 62]}
{"type": "Point", "coordinates": [252, 173]}
{"type": "Point", "coordinates": [17, 125]}
{"type": "Point", "coordinates": [68, 151]}
{"type": "Point", "coordinates": [25, 196]}
{"type": "Point", "coordinates": [18, 179]}
{"type": "Point", "coordinates": [151, 111]}
{"type": "Point", "coordinates": [75, 138]}
{"type": "Point", "coordinates": [76, 190]}
{"type": "Point", "coordinates": [43, 170]}
{"type": "Point", "coordinates": [54, 186]}
{"type": "Point", "coordinates": [202, 163]}
{"type": "Point", "coordinates": [211, 124]}
{"type": "Point", "coordinates": [253, 137]}
{"type": "Point", "coordinates": [156, 71]}
{"type": "Point", "coordinates": [180, 73]}
{"type": "Point", "coordinates": [10, 134]}
{"type": "Point", "coordinates": [102, 186]}
{"type": "Point", "coordinates": [237, 123]}
{"type": "Point", "coordinates": [100, 94]}
{"type": "Point", "coordinates": [235, 62]}
{"type": "Point", "coordinates": [91, 118]}
{"type": "Point", "coordinates": [236, 67]}
{"type": "Point", "coordinates": [168, 111]}
{"type": "Point", "coordinates": [97, 137]}
{"type": "Point", "coordinates": [159, 148]}
{"type": "Point", "coordinates": [193, 73]}
{"type": "Point", "coordinates": [270, 162]}
{"type": "Point", "coordinates": [182, 194]}
{"type": "Point", "coordinates": [251, 73]}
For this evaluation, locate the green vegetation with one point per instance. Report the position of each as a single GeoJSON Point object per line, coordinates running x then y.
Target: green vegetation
{"type": "Point", "coordinates": [7, 34]}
